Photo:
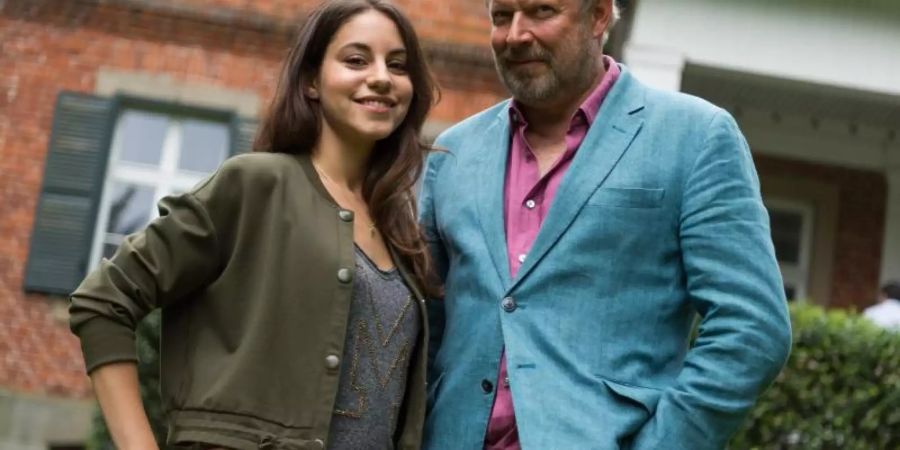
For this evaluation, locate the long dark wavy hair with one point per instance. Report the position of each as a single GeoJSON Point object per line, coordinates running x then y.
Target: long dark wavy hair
{"type": "Point", "coordinates": [294, 122]}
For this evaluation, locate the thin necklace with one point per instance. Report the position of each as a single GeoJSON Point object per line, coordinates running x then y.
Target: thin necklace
{"type": "Point", "coordinates": [372, 228]}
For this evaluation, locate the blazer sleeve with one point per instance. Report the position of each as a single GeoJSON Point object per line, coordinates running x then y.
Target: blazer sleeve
{"type": "Point", "coordinates": [438, 254]}
{"type": "Point", "coordinates": [734, 283]}
{"type": "Point", "coordinates": [178, 253]}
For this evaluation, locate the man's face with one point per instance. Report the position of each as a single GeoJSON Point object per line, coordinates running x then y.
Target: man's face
{"type": "Point", "coordinates": [546, 49]}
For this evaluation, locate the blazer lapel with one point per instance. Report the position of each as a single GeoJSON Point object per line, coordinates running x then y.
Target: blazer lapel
{"type": "Point", "coordinates": [612, 132]}
{"type": "Point", "coordinates": [491, 176]}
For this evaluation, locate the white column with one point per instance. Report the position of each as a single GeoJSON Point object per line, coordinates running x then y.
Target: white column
{"type": "Point", "coordinates": [890, 258]}
{"type": "Point", "coordinates": [659, 67]}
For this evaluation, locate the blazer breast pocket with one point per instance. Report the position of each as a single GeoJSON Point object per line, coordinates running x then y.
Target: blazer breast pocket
{"type": "Point", "coordinates": [628, 197]}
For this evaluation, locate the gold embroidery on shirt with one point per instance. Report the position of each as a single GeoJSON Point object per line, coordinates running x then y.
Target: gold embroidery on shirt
{"type": "Point", "coordinates": [364, 342]}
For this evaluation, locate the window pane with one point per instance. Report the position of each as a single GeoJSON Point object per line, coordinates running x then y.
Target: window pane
{"type": "Point", "coordinates": [110, 244]}
{"type": "Point", "coordinates": [130, 208]}
{"type": "Point", "coordinates": [141, 135]}
{"type": "Point", "coordinates": [204, 145]}
{"type": "Point", "coordinates": [109, 250]}
{"type": "Point", "coordinates": [787, 228]}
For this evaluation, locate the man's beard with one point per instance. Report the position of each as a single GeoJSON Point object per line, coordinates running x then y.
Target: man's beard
{"type": "Point", "coordinates": [566, 71]}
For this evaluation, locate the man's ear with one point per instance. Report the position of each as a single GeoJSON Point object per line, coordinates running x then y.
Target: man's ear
{"type": "Point", "coordinates": [602, 16]}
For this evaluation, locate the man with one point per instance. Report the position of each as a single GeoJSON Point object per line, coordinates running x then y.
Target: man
{"type": "Point", "coordinates": [886, 313]}
{"type": "Point", "coordinates": [580, 228]}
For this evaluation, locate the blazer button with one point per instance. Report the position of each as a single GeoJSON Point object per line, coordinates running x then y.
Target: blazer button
{"type": "Point", "coordinates": [346, 215]}
{"type": "Point", "coordinates": [344, 275]}
{"type": "Point", "coordinates": [487, 386]}
{"type": "Point", "coordinates": [332, 362]}
{"type": "Point", "coordinates": [508, 304]}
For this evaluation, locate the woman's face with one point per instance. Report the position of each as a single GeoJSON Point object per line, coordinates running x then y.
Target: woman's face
{"type": "Point", "coordinates": [363, 85]}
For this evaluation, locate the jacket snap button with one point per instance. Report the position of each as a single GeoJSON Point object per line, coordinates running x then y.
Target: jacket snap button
{"type": "Point", "coordinates": [318, 443]}
{"type": "Point", "coordinates": [344, 275]}
{"type": "Point", "coordinates": [346, 215]}
{"type": "Point", "coordinates": [508, 304]}
{"type": "Point", "coordinates": [487, 386]}
{"type": "Point", "coordinates": [332, 361]}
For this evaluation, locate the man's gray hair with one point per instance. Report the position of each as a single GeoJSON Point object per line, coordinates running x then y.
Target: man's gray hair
{"type": "Point", "coordinates": [891, 289]}
{"type": "Point", "coordinates": [587, 5]}
{"type": "Point", "coordinates": [612, 21]}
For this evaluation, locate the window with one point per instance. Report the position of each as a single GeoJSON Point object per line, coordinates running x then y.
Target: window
{"type": "Point", "coordinates": [109, 160]}
{"type": "Point", "coordinates": [153, 154]}
{"type": "Point", "coordinates": [792, 226]}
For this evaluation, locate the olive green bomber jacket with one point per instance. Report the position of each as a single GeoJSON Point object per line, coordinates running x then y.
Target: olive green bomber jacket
{"type": "Point", "coordinates": [253, 269]}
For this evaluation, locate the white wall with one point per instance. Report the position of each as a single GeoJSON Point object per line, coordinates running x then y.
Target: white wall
{"type": "Point", "coordinates": [845, 43]}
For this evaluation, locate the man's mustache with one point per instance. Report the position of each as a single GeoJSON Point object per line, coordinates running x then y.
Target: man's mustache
{"type": "Point", "coordinates": [519, 54]}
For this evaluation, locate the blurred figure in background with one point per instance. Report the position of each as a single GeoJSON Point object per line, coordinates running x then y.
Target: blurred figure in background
{"type": "Point", "coordinates": [886, 313]}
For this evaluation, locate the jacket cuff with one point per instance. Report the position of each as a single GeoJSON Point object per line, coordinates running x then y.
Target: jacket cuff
{"type": "Point", "coordinates": [104, 341]}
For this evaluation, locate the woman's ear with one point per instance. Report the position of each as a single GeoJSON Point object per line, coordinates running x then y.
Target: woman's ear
{"type": "Point", "coordinates": [312, 90]}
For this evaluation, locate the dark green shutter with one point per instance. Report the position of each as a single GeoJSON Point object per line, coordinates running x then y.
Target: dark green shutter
{"type": "Point", "coordinates": [73, 179]}
{"type": "Point", "coordinates": [243, 134]}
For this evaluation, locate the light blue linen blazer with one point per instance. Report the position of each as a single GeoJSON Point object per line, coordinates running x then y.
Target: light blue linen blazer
{"type": "Point", "coordinates": [657, 221]}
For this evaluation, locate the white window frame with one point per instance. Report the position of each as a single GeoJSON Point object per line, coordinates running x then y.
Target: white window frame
{"type": "Point", "coordinates": [165, 178]}
{"type": "Point", "coordinates": [797, 275]}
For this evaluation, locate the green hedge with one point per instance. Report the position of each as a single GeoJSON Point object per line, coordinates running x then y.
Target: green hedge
{"type": "Point", "coordinates": [839, 390]}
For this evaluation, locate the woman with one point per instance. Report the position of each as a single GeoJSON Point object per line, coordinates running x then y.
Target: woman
{"type": "Point", "coordinates": [291, 280]}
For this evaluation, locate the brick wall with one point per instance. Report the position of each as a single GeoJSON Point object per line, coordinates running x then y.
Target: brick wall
{"type": "Point", "coordinates": [48, 46]}
{"type": "Point", "coordinates": [860, 229]}
{"type": "Point", "coordinates": [457, 21]}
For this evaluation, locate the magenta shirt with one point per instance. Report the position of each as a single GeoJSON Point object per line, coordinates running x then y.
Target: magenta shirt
{"type": "Point", "coordinates": [528, 197]}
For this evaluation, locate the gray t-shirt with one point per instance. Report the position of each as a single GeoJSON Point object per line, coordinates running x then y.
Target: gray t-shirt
{"type": "Point", "coordinates": [383, 325]}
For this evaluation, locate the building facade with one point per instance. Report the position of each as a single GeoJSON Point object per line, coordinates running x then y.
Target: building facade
{"type": "Point", "coordinates": [814, 86]}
